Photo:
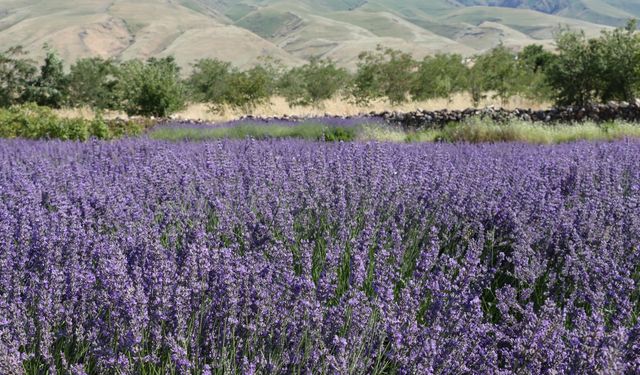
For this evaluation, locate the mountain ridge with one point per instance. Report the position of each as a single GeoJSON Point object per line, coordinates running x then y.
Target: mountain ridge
{"type": "Point", "coordinates": [293, 31]}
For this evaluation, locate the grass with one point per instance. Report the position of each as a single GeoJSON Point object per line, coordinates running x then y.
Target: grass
{"type": "Point", "coordinates": [308, 131]}
{"type": "Point", "coordinates": [477, 131]}
{"type": "Point", "coordinates": [472, 131]}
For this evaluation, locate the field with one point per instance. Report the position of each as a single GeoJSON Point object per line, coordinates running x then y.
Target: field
{"type": "Point", "coordinates": [289, 256]}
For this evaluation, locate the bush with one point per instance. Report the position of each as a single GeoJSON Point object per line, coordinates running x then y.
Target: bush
{"type": "Point", "coordinates": [248, 89]}
{"type": "Point", "coordinates": [209, 81]}
{"type": "Point", "coordinates": [31, 121]}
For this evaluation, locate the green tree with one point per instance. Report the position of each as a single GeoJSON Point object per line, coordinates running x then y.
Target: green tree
{"type": "Point", "coordinates": [248, 89]}
{"type": "Point", "coordinates": [497, 71]}
{"type": "Point", "coordinates": [312, 83]}
{"type": "Point", "coordinates": [51, 87]}
{"type": "Point", "coordinates": [219, 84]}
{"type": "Point", "coordinates": [92, 83]}
{"type": "Point", "coordinates": [535, 58]}
{"type": "Point", "coordinates": [383, 73]}
{"type": "Point", "coordinates": [619, 50]}
{"type": "Point", "coordinates": [575, 75]}
{"type": "Point", "coordinates": [153, 88]}
{"type": "Point", "coordinates": [209, 81]}
{"type": "Point", "coordinates": [16, 72]}
{"type": "Point", "coordinates": [534, 61]}
{"type": "Point", "coordinates": [440, 76]}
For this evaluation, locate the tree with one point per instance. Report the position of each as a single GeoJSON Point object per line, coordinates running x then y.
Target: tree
{"type": "Point", "coordinates": [209, 81]}
{"type": "Point", "coordinates": [51, 87]}
{"type": "Point", "coordinates": [384, 73]}
{"type": "Point", "coordinates": [153, 88]}
{"type": "Point", "coordinates": [619, 51]}
{"type": "Point", "coordinates": [535, 58]}
{"type": "Point", "coordinates": [439, 76]}
{"type": "Point", "coordinates": [219, 84]}
{"type": "Point", "coordinates": [92, 83]}
{"type": "Point", "coordinates": [575, 75]}
{"type": "Point", "coordinates": [312, 83]}
{"type": "Point", "coordinates": [16, 73]}
{"type": "Point", "coordinates": [248, 89]}
{"type": "Point", "coordinates": [497, 71]}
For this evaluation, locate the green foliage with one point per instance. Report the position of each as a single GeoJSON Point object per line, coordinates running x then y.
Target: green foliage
{"type": "Point", "coordinates": [497, 71]}
{"type": "Point", "coordinates": [308, 131]}
{"type": "Point", "coordinates": [574, 74]}
{"type": "Point", "coordinates": [384, 73]}
{"type": "Point", "coordinates": [209, 80]}
{"type": "Point", "coordinates": [31, 121]}
{"type": "Point", "coordinates": [153, 88]}
{"type": "Point", "coordinates": [51, 87]}
{"type": "Point", "coordinates": [602, 69]}
{"type": "Point", "coordinates": [248, 89]}
{"type": "Point", "coordinates": [439, 76]}
{"type": "Point", "coordinates": [92, 83]}
{"type": "Point", "coordinates": [535, 58]}
{"type": "Point", "coordinates": [619, 50]}
{"type": "Point", "coordinates": [312, 83]}
{"type": "Point", "coordinates": [15, 74]}
{"type": "Point", "coordinates": [219, 84]}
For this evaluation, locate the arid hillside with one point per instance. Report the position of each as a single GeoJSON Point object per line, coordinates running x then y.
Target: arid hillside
{"type": "Point", "coordinates": [292, 31]}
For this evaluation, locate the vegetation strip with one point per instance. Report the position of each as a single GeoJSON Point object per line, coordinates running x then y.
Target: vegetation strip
{"type": "Point", "coordinates": [473, 130]}
{"type": "Point", "coordinates": [581, 71]}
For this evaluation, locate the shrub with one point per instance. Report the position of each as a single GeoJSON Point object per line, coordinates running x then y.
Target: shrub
{"type": "Point", "coordinates": [31, 121]}
{"type": "Point", "coordinates": [248, 89]}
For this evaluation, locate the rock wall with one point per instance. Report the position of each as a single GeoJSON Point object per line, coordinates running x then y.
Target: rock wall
{"type": "Point", "coordinates": [438, 119]}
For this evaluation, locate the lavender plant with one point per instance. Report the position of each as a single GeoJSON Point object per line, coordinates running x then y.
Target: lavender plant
{"type": "Point", "coordinates": [295, 257]}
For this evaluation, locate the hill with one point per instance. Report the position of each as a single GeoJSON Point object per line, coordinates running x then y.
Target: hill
{"type": "Point", "coordinates": [293, 30]}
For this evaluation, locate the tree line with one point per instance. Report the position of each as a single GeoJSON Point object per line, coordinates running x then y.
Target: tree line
{"type": "Point", "coordinates": [582, 70]}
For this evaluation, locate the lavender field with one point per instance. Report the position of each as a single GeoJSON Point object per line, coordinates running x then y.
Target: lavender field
{"type": "Point", "coordinates": [295, 257]}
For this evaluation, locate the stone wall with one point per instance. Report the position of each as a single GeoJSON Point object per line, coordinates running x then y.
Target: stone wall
{"type": "Point", "coordinates": [437, 119]}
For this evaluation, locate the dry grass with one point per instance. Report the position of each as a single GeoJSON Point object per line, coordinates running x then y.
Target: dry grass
{"type": "Point", "coordinates": [337, 106]}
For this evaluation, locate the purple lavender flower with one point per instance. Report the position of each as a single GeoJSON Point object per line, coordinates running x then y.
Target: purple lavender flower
{"type": "Point", "coordinates": [289, 256]}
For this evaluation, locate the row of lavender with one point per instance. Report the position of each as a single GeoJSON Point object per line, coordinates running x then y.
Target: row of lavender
{"type": "Point", "coordinates": [286, 257]}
